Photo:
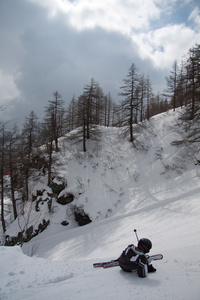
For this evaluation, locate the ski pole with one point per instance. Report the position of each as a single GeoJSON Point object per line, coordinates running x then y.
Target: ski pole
{"type": "Point", "coordinates": [135, 230]}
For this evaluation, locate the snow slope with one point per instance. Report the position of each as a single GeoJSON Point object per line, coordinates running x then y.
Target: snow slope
{"type": "Point", "coordinates": [152, 186]}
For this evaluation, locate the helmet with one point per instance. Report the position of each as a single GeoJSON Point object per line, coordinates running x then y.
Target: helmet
{"type": "Point", "coordinates": [145, 245]}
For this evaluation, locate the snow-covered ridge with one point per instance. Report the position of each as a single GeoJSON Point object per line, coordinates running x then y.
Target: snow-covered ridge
{"type": "Point", "coordinates": [152, 186]}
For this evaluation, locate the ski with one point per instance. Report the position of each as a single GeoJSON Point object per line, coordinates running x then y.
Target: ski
{"type": "Point", "coordinates": [155, 257]}
{"type": "Point", "coordinates": [112, 263]}
{"type": "Point", "coordinates": [115, 263]}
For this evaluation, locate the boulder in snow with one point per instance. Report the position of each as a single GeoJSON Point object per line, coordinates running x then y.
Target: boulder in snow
{"type": "Point", "coordinates": [57, 185]}
{"type": "Point", "coordinates": [65, 198]}
{"type": "Point", "coordinates": [81, 217]}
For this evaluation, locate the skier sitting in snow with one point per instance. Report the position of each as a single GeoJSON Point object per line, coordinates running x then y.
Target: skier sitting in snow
{"type": "Point", "coordinates": [134, 258]}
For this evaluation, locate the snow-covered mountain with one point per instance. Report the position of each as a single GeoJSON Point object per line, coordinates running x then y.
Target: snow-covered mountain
{"type": "Point", "coordinates": [150, 185]}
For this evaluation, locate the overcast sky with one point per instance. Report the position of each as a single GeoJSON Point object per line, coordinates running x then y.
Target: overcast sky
{"type": "Point", "coordinates": [49, 45]}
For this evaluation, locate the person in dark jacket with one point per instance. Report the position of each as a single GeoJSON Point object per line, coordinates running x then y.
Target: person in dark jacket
{"type": "Point", "coordinates": [135, 258]}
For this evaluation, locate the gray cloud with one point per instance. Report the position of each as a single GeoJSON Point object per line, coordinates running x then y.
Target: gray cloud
{"type": "Point", "coordinates": [40, 54]}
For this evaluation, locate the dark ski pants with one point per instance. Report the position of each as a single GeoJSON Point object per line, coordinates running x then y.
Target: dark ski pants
{"type": "Point", "coordinates": [133, 267]}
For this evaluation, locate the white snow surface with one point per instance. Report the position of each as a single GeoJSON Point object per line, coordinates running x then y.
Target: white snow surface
{"type": "Point", "coordinates": [151, 186]}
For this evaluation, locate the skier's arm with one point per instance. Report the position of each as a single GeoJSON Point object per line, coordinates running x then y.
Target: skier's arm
{"type": "Point", "coordinates": [149, 259]}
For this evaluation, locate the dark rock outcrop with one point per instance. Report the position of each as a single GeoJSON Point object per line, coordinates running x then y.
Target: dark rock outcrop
{"type": "Point", "coordinates": [81, 217]}
{"type": "Point", "coordinates": [65, 199]}
{"type": "Point", "coordinates": [57, 185]}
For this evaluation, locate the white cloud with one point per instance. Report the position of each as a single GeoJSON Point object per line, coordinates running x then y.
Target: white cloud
{"type": "Point", "coordinates": [118, 15]}
{"type": "Point", "coordinates": [8, 88]}
{"type": "Point", "coordinates": [133, 19]}
{"type": "Point", "coordinates": [163, 46]}
{"type": "Point", "coordinates": [195, 18]}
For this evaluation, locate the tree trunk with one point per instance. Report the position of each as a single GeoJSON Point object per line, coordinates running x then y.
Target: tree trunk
{"type": "Point", "coordinates": [84, 139]}
{"type": "Point", "coordinates": [50, 162]}
{"type": "Point", "coordinates": [12, 188]}
{"type": "Point", "coordinates": [2, 185]}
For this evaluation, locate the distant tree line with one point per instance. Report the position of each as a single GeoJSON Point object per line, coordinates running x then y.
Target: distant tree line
{"type": "Point", "coordinates": [23, 152]}
{"type": "Point", "coordinates": [183, 84]}
{"type": "Point", "coordinates": [183, 90]}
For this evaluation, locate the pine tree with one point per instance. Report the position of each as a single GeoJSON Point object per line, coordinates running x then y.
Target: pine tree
{"type": "Point", "coordinates": [54, 117]}
{"type": "Point", "coordinates": [172, 84]}
{"type": "Point", "coordinates": [130, 102]}
{"type": "Point", "coordinates": [13, 164]}
{"type": "Point", "coordinates": [2, 168]}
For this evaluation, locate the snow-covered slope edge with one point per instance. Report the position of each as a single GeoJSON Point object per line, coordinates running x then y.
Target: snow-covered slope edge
{"type": "Point", "coordinates": [158, 188]}
{"type": "Point", "coordinates": [115, 177]}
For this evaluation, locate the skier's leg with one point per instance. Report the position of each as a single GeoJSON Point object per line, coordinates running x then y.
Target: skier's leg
{"type": "Point", "coordinates": [141, 272]}
{"type": "Point", "coordinates": [151, 269]}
